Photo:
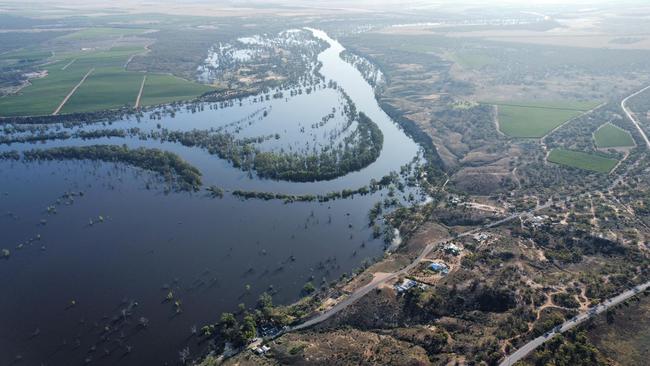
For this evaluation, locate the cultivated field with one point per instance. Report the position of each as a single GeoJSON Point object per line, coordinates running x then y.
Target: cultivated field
{"type": "Point", "coordinates": [532, 120]}
{"type": "Point", "coordinates": [109, 86]}
{"type": "Point", "coordinates": [578, 159]}
{"type": "Point", "coordinates": [162, 88]}
{"type": "Point", "coordinates": [609, 135]}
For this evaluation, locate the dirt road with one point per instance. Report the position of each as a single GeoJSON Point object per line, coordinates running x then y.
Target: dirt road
{"type": "Point", "coordinates": [65, 100]}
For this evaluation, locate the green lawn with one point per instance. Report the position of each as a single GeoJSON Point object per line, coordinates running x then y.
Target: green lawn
{"type": "Point", "coordinates": [159, 89]}
{"type": "Point", "coordinates": [609, 135]}
{"type": "Point", "coordinates": [582, 160]}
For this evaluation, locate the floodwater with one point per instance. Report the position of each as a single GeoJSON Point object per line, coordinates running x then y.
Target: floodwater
{"type": "Point", "coordinates": [84, 268]}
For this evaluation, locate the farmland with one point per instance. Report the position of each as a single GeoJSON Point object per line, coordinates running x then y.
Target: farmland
{"type": "Point", "coordinates": [163, 88]}
{"type": "Point", "coordinates": [532, 120]}
{"type": "Point", "coordinates": [110, 86]}
{"type": "Point", "coordinates": [609, 135]}
{"type": "Point", "coordinates": [582, 160]}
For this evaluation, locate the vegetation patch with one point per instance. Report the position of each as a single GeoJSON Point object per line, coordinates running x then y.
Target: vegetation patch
{"type": "Point", "coordinates": [356, 151]}
{"type": "Point", "coordinates": [171, 166]}
{"type": "Point", "coordinates": [609, 135]}
{"type": "Point", "coordinates": [582, 160]}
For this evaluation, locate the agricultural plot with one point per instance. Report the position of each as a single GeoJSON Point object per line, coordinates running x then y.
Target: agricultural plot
{"type": "Point", "coordinates": [110, 86]}
{"type": "Point", "coordinates": [106, 88]}
{"type": "Point", "coordinates": [534, 120]}
{"type": "Point", "coordinates": [582, 160]}
{"type": "Point", "coordinates": [90, 34]}
{"type": "Point", "coordinates": [609, 135]}
{"type": "Point", "coordinates": [45, 94]}
{"type": "Point", "coordinates": [472, 59]}
{"type": "Point", "coordinates": [162, 88]}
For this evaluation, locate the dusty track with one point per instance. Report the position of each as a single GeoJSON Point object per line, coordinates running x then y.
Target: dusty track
{"type": "Point", "coordinates": [571, 323]}
{"type": "Point", "coordinates": [137, 100]}
{"type": "Point", "coordinates": [65, 100]}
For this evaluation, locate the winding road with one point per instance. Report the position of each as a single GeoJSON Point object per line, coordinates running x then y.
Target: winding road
{"type": "Point", "coordinates": [571, 323]}
{"type": "Point", "coordinates": [630, 115]}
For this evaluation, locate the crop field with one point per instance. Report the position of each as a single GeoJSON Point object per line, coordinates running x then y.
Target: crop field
{"type": "Point", "coordinates": [106, 88]}
{"type": "Point", "coordinates": [472, 59]}
{"type": "Point", "coordinates": [102, 33]}
{"type": "Point", "coordinates": [581, 160]}
{"type": "Point", "coordinates": [110, 86]}
{"type": "Point", "coordinates": [162, 88]}
{"type": "Point", "coordinates": [609, 135]}
{"type": "Point", "coordinates": [534, 120]}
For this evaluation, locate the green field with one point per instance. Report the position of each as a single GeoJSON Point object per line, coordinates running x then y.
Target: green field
{"type": "Point", "coordinates": [609, 135]}
{"type": "Point", "coordinates": [44, 95]}
{"type": "Point", "coordinates": [472, 59]}
{"type": "Point", "coordinates": [106, 88]}
{"type": "Point", "coordinates": [91, 34]}
{"type": "Point", "coordinates": [582, 106]}
{"type": "Point", "coordinates": [536, 119]}
{"type": "Point", "coordinates": [110, 86]}
{"type": "Point", "coordinates": [160, 89]}
{"type": "Point", "coordinates": [578, 159]}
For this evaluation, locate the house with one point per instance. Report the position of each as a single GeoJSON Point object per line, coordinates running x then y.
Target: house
{"type": "Point", "coordinates": [481, 237]}
{"type": "Point", "coordinates": [452, 249]}
{"type": "Point", "coordinates": [537, 221]}
{"type": "Point", "coordinates": [261, 350]}
{"type": "Point", "coordinates": [439, 267]}
{"type": "Point", "coordinates": [405, 286]}
{"type": "Point", "coordinates": [268, 331]}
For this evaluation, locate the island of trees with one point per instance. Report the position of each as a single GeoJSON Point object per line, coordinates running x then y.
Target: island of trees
{"type": "Point", "coordinates": [174, 169]}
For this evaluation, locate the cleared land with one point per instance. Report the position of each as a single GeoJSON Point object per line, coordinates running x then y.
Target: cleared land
{"type": "Point", "coordinates": [609, 135]}
{"type": "Point", "coordinates": [534, 120]}
{"type": "Point", "coordinates": [581, 160]}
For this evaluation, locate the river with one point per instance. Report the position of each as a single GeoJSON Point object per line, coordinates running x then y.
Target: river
{"type": "Point", "coordinates": [85, 267]}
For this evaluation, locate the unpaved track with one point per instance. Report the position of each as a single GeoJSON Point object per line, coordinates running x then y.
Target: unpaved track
{"type": "Point", "coordinates": [65, 100]}
{"type": "Point", "coordinates": [571, 323]}
{"type": "Point", "coordinates": [68, 64]}
{"type": "Point", "coordinates": [137, 100]}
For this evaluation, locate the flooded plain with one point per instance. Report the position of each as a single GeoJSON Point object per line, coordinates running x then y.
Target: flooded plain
{"type": "Point", "coordinates": [95, 247]}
